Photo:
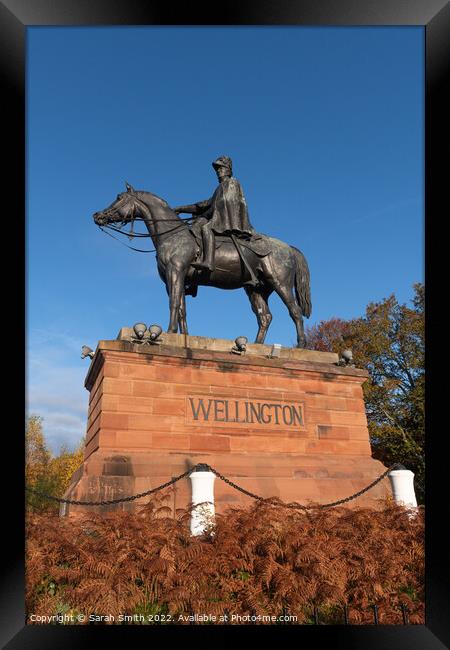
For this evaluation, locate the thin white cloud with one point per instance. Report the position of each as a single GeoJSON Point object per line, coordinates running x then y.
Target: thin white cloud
{"type": "Point", "coordinates": [341, 225]}
{"type": "Point", "coordinates": [386, 210]}
{"type": "Point", "coordinates": [55, 386]}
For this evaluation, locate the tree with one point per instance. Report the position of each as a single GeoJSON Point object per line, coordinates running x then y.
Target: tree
{"type": "Point", "coordinates": [64, 465]}
{"type": "Point", "coordinates": [37, 460]}
{"type": "Point", "coordinates": [328, 336]}
{"type": "Point", "coordinates": [43, 471]}
{"type": "Point", "coordinates": [37, 455]}
{"type": "Point", "coordinates": [389, 342]}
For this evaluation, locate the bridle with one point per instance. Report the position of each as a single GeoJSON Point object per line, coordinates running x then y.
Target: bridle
{"type": "Point", "coordinates": [131, 235]}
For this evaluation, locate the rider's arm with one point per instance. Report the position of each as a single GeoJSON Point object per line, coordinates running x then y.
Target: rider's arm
{"type": "Point", "coordinates": [194, 208]}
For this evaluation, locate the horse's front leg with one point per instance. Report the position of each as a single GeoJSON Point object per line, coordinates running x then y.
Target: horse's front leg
{"type": "Point", "coordinates": [182, 322]}
{"type": "Point", "coordinates": [175, 289]}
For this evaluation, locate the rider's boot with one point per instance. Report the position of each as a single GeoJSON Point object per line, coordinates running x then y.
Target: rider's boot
{"type": "Point", "coordinates": [208, 250]}
{"type": "Point", "coordinates": [253, 281]}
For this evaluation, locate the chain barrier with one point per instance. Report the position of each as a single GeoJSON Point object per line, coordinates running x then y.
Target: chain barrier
{"type": "Point", "coordinates": [113, 501]}
{"type": "Point", "coordinates": [300, 506]}
{"type": "Point", "coordinates": [205, 467]}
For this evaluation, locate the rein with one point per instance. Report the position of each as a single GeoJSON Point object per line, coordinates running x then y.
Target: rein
{"type": "Point", "coordinates": [139, 250]}
{"type": "Point", "coordinates": [132, 234]}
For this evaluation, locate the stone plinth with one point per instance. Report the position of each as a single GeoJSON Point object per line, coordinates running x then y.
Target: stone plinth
{"type": "Point", "coordinates": [293, 427]}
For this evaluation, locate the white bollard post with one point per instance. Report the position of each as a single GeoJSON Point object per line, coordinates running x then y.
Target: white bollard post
{"type": "Point", "coordinates": [202, 515]}
{"type": "Point", "coordinates": [402, 484]}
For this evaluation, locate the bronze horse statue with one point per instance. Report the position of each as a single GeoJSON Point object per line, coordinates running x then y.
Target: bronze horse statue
{"type": "Point", "coordinates": [278, 266]}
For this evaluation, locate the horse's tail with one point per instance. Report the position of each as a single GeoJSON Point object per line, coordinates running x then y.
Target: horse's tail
{"type": "Point", "coordinates": [302, 282]}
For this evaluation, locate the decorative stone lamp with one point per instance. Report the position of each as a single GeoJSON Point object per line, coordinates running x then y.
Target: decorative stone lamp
{"type": "Point", "coordinates": [155, 331]}
{"type": "Point", "coordinates": [240, 345]}
{"type": "Point", "coordinates": [139, 330]}
{"type": "Point", "coordinates": [86, 351]}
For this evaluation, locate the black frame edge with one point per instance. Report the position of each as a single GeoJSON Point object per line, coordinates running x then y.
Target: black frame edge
{"type": "Point", "coordinates": [133, 12]}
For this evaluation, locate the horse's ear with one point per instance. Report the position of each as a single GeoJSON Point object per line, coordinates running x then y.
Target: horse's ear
{"type": "Point", "coordinates": [129, 187]}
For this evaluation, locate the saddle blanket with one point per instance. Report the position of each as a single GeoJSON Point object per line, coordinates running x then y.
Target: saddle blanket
{"type": "Point", "coordinates": [258, 243]}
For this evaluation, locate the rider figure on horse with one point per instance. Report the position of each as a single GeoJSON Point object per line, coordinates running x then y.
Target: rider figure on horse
{"type": "Point", "coordinates": [226, 213]}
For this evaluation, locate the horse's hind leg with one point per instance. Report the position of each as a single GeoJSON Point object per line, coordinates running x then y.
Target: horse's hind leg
{"type": "Point", "coordinates": [280, 276]}
{"type": "Point", "coordinates": [258, 300]}
{"type": "Point", "coordinates": [286, 295]}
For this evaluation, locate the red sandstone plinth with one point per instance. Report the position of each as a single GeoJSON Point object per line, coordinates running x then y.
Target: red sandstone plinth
{"type": "Point", "coordinates": [293, 427]}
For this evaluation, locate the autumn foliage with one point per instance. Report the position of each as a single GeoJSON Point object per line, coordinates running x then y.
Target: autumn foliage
{"type": "Point", "coordinates": [260, 560]}
{"type": "Point", "coordinates": [44, 471]}
{"type": "Point", "coordinates": [389, 342]}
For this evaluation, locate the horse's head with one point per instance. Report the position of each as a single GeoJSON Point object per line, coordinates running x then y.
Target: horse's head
{"type": "Point", "coordinates": [121, 210]}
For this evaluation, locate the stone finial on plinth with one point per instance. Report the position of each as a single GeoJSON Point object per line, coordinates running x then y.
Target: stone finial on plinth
{"type": "Point", "coordinates": [402, 484]}
{"type": "Point", "coordinates": [202, 516]}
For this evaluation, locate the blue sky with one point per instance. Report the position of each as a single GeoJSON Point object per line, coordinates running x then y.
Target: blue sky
{"type": "Point", "coordinates": [325, 128]}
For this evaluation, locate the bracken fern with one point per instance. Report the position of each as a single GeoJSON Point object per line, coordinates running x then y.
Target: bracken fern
{"type": "Point", "coordinates": [261, 559]}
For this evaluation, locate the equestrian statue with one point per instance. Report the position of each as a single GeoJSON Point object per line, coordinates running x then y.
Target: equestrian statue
{"type": "Point", "coordinates": [216, 247]}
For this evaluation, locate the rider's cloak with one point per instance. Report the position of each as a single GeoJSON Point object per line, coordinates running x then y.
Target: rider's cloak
{"type": "Point", "coordinates": [227, 209]}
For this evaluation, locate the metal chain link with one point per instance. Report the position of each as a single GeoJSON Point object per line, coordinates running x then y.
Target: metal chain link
{"type": "Point", "coordinates": [107, 503]}
{"type": "Point", "coordinates": [300, 506]}
{"type": "Point", "coordinates": [225, 480]}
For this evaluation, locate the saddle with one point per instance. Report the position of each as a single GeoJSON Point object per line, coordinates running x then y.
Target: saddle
{"type": "Point", "coordinates": [257, 243]}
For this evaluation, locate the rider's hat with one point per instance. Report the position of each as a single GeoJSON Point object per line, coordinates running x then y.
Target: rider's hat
{"type": "Point", "coordinates": [223, 161]}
